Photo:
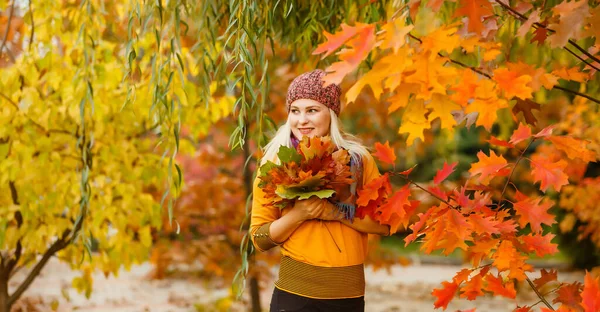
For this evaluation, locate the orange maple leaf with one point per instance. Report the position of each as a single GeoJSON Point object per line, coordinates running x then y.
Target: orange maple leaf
{"type": "Point", "coordinates": [483, 225]}
{"type": "Point", "coordinates": [574, 148]}
{"type": "Point", "coordinates": [591, 293]}
{"type": "Point", "coordinates": [504, 255]}
{"type": "Point", "coordinates": [525, 107]}
{"type": "Point", "coordinates": [472, 288]}
{"type": "Point", "coordinates": [395, 205]}
{"type": "Point", "coordinates": [540, 244]}
{"type": "Point", "coordinates": [495, 141]}
{"type": "Point", "coordinates": [572, 16]}
{"type": "Point", "coordinates": [462, 276]}
{"type": "Point", "coordinates": [545, 278]}
{"type": "Point", "coordinates": [521, 134]}
{"type": "Point", "coordinates": [358, 48]}
{"type": "Point", "coordinates": [444, 295]}
{"type": "Point", "coordinates": [465, 88]}
{"type": "Point", "coordinates": [549, 173]}
{"type": "Point", "coordinates": [496, 286]}
{"type": "Point", "coordinates": [482, 248]}
{"type": "Point", "coordinates": [475, 10]}
{"type": "Point", "coordinates": [443, 173]}
{"type": "Point", "coordinates": [385, 153]}
{"type": "Point", "coordinates": [488, 167]}
{"type": "Point", "coordinates": [417, 226]}
{"type": "Point", "coordinates": [532, 211]}
{"type": "Point", "coordinates": [513, 84]}
{"type": "Point", "coordinates": [569, 295]}
{"type": "Point", "coordinates": [335, 41]}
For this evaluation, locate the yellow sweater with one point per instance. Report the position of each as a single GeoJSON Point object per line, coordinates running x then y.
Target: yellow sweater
{"type": "Point", "coordinates": [312, 265]}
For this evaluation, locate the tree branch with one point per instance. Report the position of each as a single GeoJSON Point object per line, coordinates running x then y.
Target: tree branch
{"type": "Point", "coordinates": [426, 191]}
{"type": "Point", "coordinates": [56, 246]}
{"type": "Point", "coordinates": [571, 41]}
{"type": "Point", "coordinates": [490, 76]}
{"type": "Point", "coordinates": [513, 171]}
{"type": "Point", "coordinates": [585, 61]}
{"type": "Point", "coordinates": [32, 27]}
{"type": "Point", "coordinates": [578, 93]}
{"type": "Point", "coordinates": [12, 263]}
{"type": "Point", "coordinates": [10, 16]}
{"type": "Point", "coordinates": [537, 292]}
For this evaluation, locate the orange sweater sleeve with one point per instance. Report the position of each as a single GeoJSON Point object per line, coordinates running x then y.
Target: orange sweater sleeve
{"type": "Point", "coordinates": [261, 218]}
{"type": "Point", "coordinates": [370, 170]}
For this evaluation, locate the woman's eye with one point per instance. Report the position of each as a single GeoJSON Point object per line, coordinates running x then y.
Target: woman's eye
{"type": "Point", "coordinates": [312, 110]}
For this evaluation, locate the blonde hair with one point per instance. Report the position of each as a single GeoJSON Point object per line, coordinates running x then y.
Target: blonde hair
{"type": "Point", "coordinates": [340, 138]}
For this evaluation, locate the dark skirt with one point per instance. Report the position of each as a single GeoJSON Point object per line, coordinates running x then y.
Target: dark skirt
{"type": "Point", "coordinates": [283, 301]}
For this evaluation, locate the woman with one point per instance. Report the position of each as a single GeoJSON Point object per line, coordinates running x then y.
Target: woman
{"type": "Point", "coordinates": [322, 252]}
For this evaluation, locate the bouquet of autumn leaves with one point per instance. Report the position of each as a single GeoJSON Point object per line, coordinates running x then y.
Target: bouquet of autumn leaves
{"type": "Point", "coordinates": [314, 168]}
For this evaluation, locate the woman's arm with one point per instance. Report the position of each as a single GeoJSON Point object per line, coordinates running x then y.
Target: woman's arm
{"type": "Point", "coordinates": [281, 229]}
{"type": "Point", "coordinates": [366, 225]}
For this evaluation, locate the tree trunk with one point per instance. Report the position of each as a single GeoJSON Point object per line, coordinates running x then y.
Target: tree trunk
{"type": "Point", "coordinates": [4, 307]}
{"type": "Point", "coordinates": [255, 294]}
{"type": "Point", "coordinates": [254, 290]}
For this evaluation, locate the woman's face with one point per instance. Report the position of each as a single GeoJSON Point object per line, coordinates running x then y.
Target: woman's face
{"type": "Point", "coordinates": [309, 118]}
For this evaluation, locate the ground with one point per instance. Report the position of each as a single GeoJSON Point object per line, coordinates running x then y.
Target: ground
{"type": "Point", "coordinates": [406, 288]}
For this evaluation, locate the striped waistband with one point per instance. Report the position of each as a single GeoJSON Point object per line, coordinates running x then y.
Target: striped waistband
{"type": "Point", "coordinates": [321, 282]}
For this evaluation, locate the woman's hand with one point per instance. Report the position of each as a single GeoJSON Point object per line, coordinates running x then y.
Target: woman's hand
{"type": "Point", "coordinates": [330, 212]}
{"type": "Point", "coordinates": [308, 209]}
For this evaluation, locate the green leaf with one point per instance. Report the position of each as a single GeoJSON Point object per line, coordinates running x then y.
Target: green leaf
{"type": "Point", "coordinates": [288, 154]}
{"type": "Point", "coordinates": [264, 169]}
{"type": "Point", "coordinates": [299, 193]}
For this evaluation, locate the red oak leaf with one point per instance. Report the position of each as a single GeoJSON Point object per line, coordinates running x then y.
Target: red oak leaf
{"type": "Point", "coordinates": [475, 10]}
{"type": "Point", "coordinates": [488, 167]}
{"type": "Point", "coordinates": [549, 173]}
{"type": "Point", "coordinates": [591, 293]}
{"type": "Point", "coordinates": [534, 212]}
{"type": "Point", "coordinates": [385, 153]}
{"type": "Point", "coordinates": [483, 225]}
{"type": "Point", "coordinates": [408, 171]}
{"type": "Point", "coordinates": [545, 132]}
{"type": "Point", "coordinates": [472, 288]}
{"type": "Point", "coordinates": [569, 295]}
{"type": "Point", "coordinates": [444, 295]}
{"type": "Point", "coordinates": [496, 286]}
{"type": "Point", "coordinates": [540, 244]}
{"type": "Point", "coordinates": [495, 141]}
{"type": "Point", "coordinates": [521, 134]}
{"type": "Point", "coordinates": [442, 174]}
{"type": "Point", "coordinates": [547, 277]}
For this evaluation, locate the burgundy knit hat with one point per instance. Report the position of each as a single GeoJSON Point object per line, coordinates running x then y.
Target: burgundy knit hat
{"type": "Point", "coordinates": [310, 86]}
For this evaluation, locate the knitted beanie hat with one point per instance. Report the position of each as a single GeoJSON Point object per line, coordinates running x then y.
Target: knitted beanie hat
{"type": "Point", "coordinates": [310, 86]}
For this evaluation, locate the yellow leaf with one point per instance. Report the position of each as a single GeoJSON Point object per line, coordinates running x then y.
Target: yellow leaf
{"type": "Point", "coordinates": [442, 108]}
{"type": "Point", "coordinates": [394, 33]}
{"type": "Point", "coordinates": [400, 98]}
{"type": "Point", "coordinates": [442, 39]}
{"type": "Point", "coordinates": [145, 236]}
{"type": "Point", "coordinates": [414, 121]}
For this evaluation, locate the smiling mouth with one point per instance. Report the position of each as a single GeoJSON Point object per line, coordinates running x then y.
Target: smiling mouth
{"type": "Point", "coordinates": [305, 130]}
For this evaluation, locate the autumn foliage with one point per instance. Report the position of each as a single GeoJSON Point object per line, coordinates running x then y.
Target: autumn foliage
{"type": "Point", "coordinates": [439, 77]}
